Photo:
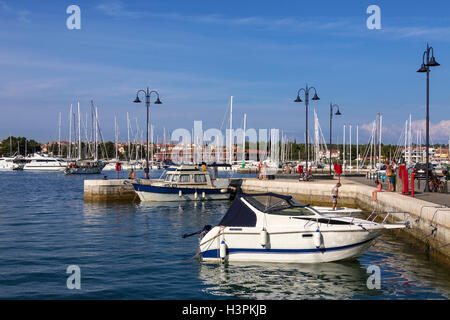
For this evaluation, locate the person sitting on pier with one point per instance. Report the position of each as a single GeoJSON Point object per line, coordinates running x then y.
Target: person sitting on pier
{"type": "Point", "coordinates": [131, 175]}
{"type": "Point", "coordinates": [378, 189]}
{"type": "Point", "coordinates": [335, 195]}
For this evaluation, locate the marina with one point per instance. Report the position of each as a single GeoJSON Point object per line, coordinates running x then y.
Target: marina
{"type": "Point", "coordinates": [262, 153]}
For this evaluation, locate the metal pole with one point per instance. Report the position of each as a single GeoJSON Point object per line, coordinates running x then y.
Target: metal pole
{"type": "Point", "coordinates": [357, 149]}
{"type": "Point", "coordinates": [306, 132]}
{"type": "Point", "coordinates": [427, 186]}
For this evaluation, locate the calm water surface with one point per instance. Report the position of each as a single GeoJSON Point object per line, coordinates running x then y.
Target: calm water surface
{"type": "Point", "coordinates": [128, 251]}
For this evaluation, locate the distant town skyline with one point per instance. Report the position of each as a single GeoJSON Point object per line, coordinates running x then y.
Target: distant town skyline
{"type": "Point", "coordinates": [200, 53]}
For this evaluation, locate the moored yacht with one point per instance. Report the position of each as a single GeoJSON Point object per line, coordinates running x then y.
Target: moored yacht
{"type": "Point", "coordinates": [41, 162]}
{"type": "Point", "coordinates": [183, 183]}
{"type": "Point", "coordinates": [275, 228]}
{"type": "Point", "coordinates": [11, 163]}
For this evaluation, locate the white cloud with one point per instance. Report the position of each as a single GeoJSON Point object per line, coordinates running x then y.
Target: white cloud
{"type": "Point", "coordinates": [22, 15]}
{"type": "Point", "coordinates": [117, 9]}
{"type": "Point", "coordinates": [438, 131]}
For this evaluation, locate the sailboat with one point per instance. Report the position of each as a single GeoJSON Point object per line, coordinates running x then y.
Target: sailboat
{"type": "Point", "coordinates": [86, 166]}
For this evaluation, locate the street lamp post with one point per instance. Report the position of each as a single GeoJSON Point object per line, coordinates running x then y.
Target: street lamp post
{"type": "Point", "coordinates": [147, 102]}
{"type": "Point", "coordinates": [425, 67]}
{"type": "Point", "coordinates": [338, 113]}
{"type": "Point", "coordinates": [315, 97]}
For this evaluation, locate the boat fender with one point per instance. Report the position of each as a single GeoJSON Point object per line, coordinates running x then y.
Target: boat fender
{"type": "Point", "coordinates": [264, 236]}
{"type": "Point", "coordinates": [195, 195]}
{"type": "Point", "coordinates": [222, 251]}
{"type": "Point", "coordinates": [223, 190]}
{"type": "Point", "coordinates": [318, 240]}
{"type": "Point", "coordinates": [180, 193]}
{"type": "Point", "coordinates": [203, 194]}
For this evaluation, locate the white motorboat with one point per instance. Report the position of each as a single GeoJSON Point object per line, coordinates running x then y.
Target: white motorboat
{"type": "Point", "coordinates": [183, 183]}
{"type": "Point", "coordinates": [11, 163]}
{"type": "Point", "coordinates": [41, 162]}
{"type": "Point", "coordinates": [275, 228]}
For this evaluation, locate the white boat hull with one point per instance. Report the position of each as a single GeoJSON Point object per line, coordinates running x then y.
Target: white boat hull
{"type": "Point", "coordinates": [48, 169]}
{"type": "Point", "coordinates": [293, 248]}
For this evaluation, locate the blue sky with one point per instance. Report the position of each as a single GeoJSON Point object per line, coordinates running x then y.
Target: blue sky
{"type": "Point", "coordinates": [199, 53]}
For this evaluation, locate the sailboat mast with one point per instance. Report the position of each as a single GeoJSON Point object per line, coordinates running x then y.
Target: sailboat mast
{"type": "Point", "coordinates": [357, 149]}
{"type": "Point", "coordinates": [343, 148]}
{"type": "Point", "coordinates": [243, 141]}
{"type": "Point", "coordinates": [379, 140]}
{"type": "Point", "coordinates": [136, 137]}
{"type": "Point", "coordinates": [79, 131]}
{"type": "Point", "coordinates": [70, 133]}
{"type": "Point", "coordinates": [59, 135]}
{"type": "Point", "coordinates": [151, 142]}
{"type": "Point", "coordinates": [350, 148]}
{"type": "Point", "coordinates": [96, 133]}
{"type": "Point", "coordinates": [115, 134]}
{"type": "Point", "coordinates": [128, 130]}
{"type": "Point", "coordinates": [231, 131]}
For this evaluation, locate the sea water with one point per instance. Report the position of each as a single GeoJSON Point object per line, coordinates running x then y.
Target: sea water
{"type": "Point", "coordinates": [136, 251]}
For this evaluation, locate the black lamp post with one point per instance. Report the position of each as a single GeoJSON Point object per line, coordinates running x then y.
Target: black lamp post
{"type": "Point", "coordinates": [425, 67]}
{"type": "Point", "coordinates": [315, 97]}
{"type": "Point", "coordinates": [147, 102]}
{"type": "Point", "coordinates": [338, 113]}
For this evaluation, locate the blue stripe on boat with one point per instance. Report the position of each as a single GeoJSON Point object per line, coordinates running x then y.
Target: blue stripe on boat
{"type": "Point", "coordinates": [174, 190]}
{"type": "Point", "coordinates": [214, 253]}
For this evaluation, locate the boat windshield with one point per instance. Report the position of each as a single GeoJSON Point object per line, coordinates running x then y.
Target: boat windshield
{"type": "Point", "coordinates": [270, 202]}
{"type": "Point", "coordinates": [294, 211]}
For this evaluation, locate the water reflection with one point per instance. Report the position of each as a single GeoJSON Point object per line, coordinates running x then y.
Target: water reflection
{"type": "Point", "coordinates": [94, 212]}
{"type": "Point", "coordinates": [286, 281]}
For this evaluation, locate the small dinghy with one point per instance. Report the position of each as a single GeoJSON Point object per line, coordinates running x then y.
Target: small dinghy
{"type": "Point", "coordinates": [270, 227]}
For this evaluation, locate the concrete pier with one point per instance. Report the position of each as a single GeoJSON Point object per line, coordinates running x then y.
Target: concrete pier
{"type": "Point", "coordinates": [430, 222]}
{"type": "Point", "coordinates": [109, 190]}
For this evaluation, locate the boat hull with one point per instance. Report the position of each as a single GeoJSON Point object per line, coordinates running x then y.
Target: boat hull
{"type": "Point", "coordinates": [42, 168]}
{"type": "Point", "coordinates": [156, 193]}
{"type": "Point", "coordinates": [337, 247]}
{"type": "Point", "coordinates": [83, 171]}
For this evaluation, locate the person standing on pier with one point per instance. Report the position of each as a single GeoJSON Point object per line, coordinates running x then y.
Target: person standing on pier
{"type": "Point", "coordinates": [335, 195]}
